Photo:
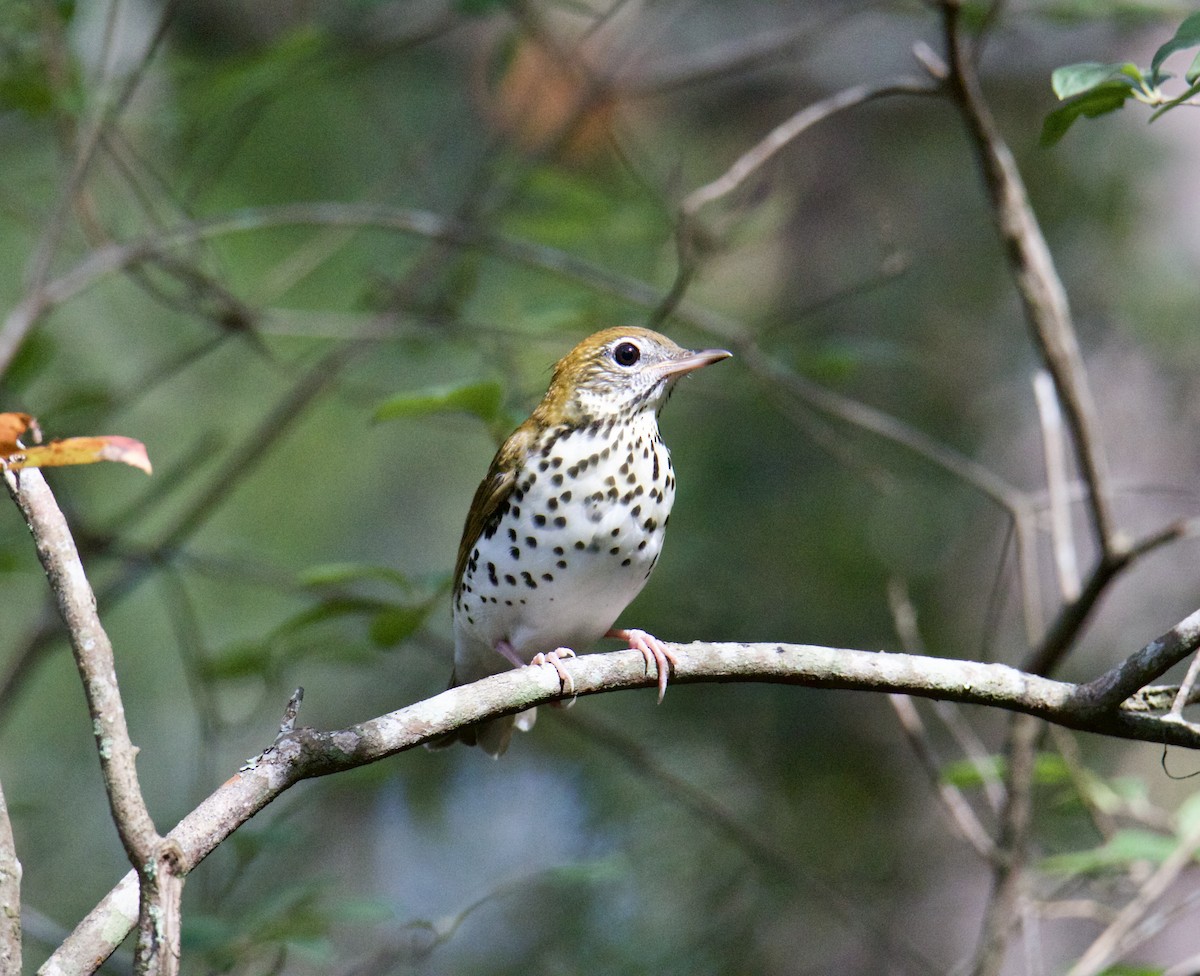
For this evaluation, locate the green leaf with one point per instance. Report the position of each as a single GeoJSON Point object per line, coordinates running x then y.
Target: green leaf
{"type": "Point", "coordinates": [396, 623]}
{"type": "Point", "coordinates": [1099, 101]}
{"type": "Point", "coordinates": [482, 400]}
{"type": "Point", "coordinates": [1188, 35]}
{"type": "Point", "coordinates": [339, 574]}
{"type": "Point", "coordinates": [1124, 848]}
{"type": "Point", "coordinates": [1075, 79]}
{"type": "Point", "coordinates": [1049, 770]}
{"type": "Point", "coordinates": [246, 660]}
{"type": "Point", "coordinates": [1193, 71]}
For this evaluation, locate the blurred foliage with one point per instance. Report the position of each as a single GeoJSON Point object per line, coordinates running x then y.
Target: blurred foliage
{"type": "Point", "coordinates": [320, 397]}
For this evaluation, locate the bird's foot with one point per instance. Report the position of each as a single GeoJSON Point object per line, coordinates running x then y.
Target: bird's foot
{"type": "Point", "coordinates": [653, 650]}
{"type": "Point", "coordinates": [554, 659]}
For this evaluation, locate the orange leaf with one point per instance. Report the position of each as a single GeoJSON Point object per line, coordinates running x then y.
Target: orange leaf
{"type": "Point", "coordinates": [82, 450]}
{"type": "Point", "coordinates": [12, 426]}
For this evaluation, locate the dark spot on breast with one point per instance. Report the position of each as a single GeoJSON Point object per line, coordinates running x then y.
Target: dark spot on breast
{"type": "Point", "coordinates": [626, 561]}
{"type": "Point", "coordinates": [641, 545]}
{"type": "Point", "coordinates": [580, 544]}
{"type": "Point", "coordinates": [510, 579]}
{"type": "Point", "coordinates": [552, 503]}
{"type": "Point", "coordinates": [512, 535]}
{"type": "Point", "coordinates": [561, 564]}
{"type": "Point", "coordinates": [531, 541]}
{"type": "Point", "coordinates": [565, 497]}
{"type": "Point", "coordinates": [556, 480]}
{"type": "Point", "coordinates": [539, 520]}
{"type": "Point", "coordinates": [548, 577]}
{"type": "Point", "coordinates": [636, 511]}
{"type": "Point", "coordinates": [616, 532]}
{"type": "Point", "coordinates": [654, 470]}
{"type": "Point", "coordinates": [650, 524]}
{"type": "Point", "coordinates": [514, 552]}
{"type": "Point", "coordinates": [558, 550]}
{"type": "Point", "coordinates": [529, 581]}
{"type": "Point", "coordinates": [560, 522]}
{"type": "Point", "coordinates": [615, 551]}
{"type": "Point", "coordinates": [543, 464]}
{"type": "Point", "coordinates": [492, 574]}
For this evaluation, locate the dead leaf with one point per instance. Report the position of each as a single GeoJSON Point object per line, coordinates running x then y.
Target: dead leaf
{"type": "Point", "coordinates": [80, 450]}
{"type": "Point", "coordinates": [12, 426]}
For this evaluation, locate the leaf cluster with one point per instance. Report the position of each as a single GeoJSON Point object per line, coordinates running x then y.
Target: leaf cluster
{"type": "Point", "coordinates": [1092, 88]}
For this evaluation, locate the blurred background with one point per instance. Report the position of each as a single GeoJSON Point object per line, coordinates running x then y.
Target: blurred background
{"type": "Point", "coordinates": [319, 257]}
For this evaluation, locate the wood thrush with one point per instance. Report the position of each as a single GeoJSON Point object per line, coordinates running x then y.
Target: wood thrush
{"type": "Point", "coordinates": [567, 525]}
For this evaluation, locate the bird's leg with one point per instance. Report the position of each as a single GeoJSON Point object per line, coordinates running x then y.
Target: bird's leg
{"type": "Point", "coordinates": [653, 650]}
{"type": "Point", "coordinates": [554, 659]}
{"type": "Point", "coordinates": [506, 649]}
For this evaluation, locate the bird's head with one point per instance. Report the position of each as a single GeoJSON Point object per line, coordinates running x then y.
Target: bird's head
{"type": "Point", "coordinates": [618, 373]}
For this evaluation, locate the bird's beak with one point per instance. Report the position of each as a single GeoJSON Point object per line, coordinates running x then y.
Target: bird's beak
{"type": "Point", "coordinates": [691, 361]}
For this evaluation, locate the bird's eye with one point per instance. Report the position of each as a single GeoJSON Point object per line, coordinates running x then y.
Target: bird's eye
{"type": "Point", "coordinates": [626, 354]}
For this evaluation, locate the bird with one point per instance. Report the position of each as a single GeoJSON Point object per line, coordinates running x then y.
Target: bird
{"type": "Point", "coordinates": [568, 523]}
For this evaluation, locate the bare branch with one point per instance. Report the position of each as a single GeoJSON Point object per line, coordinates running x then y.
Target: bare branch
{"type": "Point", "coordinates": [1041, 290]}
{"type": "Point", "coordinates": [154, 861]}
{"type": "Point", "coordinates": [759, 154]}
{"type": "Point", "coordinates": [1057, 486]}
{"type": "Point", "coordinates": [1012, 845]}
{"type": "Point", "coordinates": [1138, 670]}
{"type": "Point", "coordinates": [93, 657]}
{"type": "Point", "coordinates": [10, 896]}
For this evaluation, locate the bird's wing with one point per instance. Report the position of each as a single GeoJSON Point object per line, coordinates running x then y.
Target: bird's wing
{"type": "Point", "coordinates": [491, 495]}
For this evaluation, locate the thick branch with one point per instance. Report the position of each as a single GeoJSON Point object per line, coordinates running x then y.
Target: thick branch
{"type": "Point", "coordinates": [306, 753]}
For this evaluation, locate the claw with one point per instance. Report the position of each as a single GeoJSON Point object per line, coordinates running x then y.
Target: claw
{"type": "Point", "coordinates": [653, 650]}
{"type": "Point", "coordinates": [554, 659]}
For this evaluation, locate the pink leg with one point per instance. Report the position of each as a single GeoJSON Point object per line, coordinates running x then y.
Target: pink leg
{"type": "Point", "coordinates": [653, 650]}
{"type": "Point", "coordinates": [554, 659]}
{"type": "Point", "coordinates": [506, 649]}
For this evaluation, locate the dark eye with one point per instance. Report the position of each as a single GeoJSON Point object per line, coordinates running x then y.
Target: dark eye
{"type": "Point", "coordinates": [626, 354]}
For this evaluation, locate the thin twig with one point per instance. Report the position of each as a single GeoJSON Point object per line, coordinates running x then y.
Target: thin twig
{"type": "Point", "coordinates": [1139, 669]}
{"type": "Point", "coordinates": [10, 896]}
{"type": "Point", "coordinates": [1057, 486]}
{"type": "Point", "coordinates": [1003, 908]}
{"type": "Point", "coordinates": [1105, 949]}
{"type": "Point", "coordinates": [960, 813]}
{"type": "Point", "coordinates": [776, 861]}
